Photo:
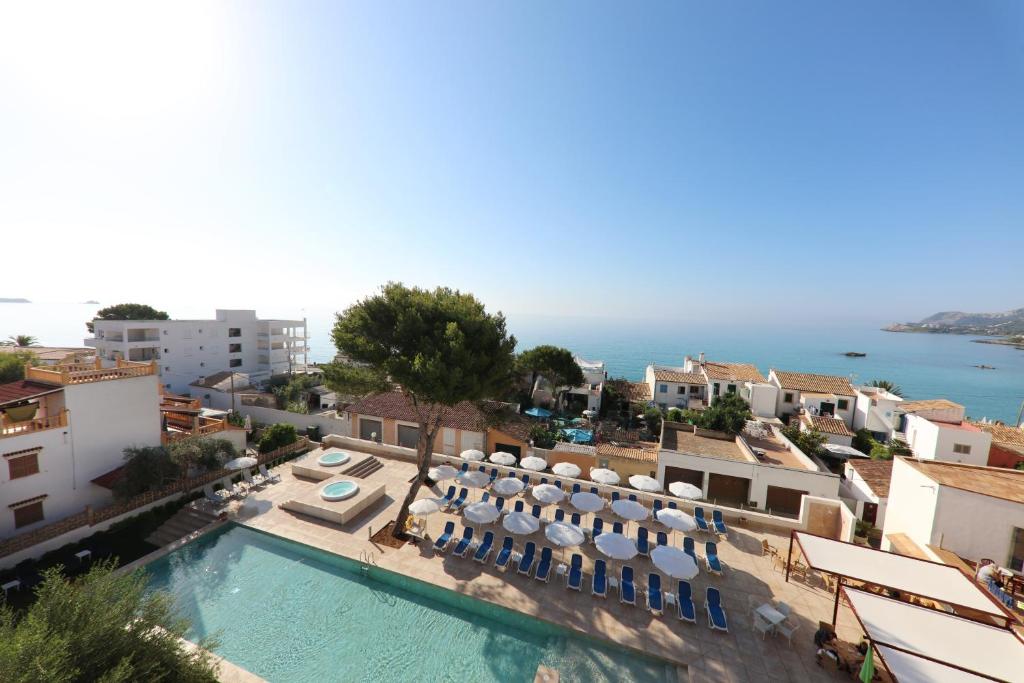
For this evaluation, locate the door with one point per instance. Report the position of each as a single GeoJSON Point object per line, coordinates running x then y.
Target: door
{"type": "Point", "coordinates": [870, 513]}
{"type": "Point", "coordinates": [695, 477]}
{"type": "Point", "coordinates": [728, 490]}
{"type": "Point", "coordinates": [370, 430]}
{"type": "Point", "coordinates": [827, 408]}
{"type": "Point", "coordinates": [448, 441]}
{"type": "Point", "coordinates": [509, 448]}
{"type": "Point", "coordinates": [781, 500]}
{"type": "Point", "coordinates": [408, 436]}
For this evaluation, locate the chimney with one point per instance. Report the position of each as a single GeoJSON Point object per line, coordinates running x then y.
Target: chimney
{"type": "Point", "coordinates": [700, 359]}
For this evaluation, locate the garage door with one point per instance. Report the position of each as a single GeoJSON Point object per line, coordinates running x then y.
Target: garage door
{"type": "Point", "coordinates": [408, 436]}
{"type": "Point", "coordinates": [673, 474]}
{"type": "Point", "coordinates": [368, 428]}
{"type": "Point", "coordinates": [726, 490]}
{"type": "Point", "coordinates": [783, 501]}
{"type": "Point", "coordinates": [509, 448]}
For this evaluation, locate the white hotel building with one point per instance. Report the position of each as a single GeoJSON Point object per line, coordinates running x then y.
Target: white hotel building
{"type": "Point", "coordinates": [187, 350]}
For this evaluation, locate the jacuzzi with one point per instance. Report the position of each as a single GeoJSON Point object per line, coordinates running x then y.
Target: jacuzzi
{"type": "Point", "coordinates": [339, 490]}
{"type": "Point", "coordinates": [333, 458]}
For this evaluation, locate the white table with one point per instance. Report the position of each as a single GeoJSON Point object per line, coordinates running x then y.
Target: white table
{"type": "Point", "coordinates": [670, 599]}
{"type": "Point", "coordinates": [14, 584]}
{"type": "Point", "coordinates": [613, 583]}
{"type": "Point", "coordinates": [770, 614]}
{"type": "Point", "coordinates": [82, 555]}
{"type": "Point", "coordinates": [561, 569]}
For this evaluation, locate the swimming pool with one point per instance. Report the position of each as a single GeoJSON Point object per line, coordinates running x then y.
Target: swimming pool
{"type": "Point", "coordinates": [289, 612]}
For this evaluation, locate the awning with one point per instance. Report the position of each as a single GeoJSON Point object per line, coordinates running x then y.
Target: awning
{"type": "Point", "coordinates": [923, 578]}
{"type": "Point", "coordinates": [109, 479]}
{"type": "Point", "coordinates": [924, 643]}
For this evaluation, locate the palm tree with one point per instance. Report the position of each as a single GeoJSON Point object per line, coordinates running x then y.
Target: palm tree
{"type": "Point", "coordinates": [21, 340]}
{"type": "Point", "coordinates": [885, 384]}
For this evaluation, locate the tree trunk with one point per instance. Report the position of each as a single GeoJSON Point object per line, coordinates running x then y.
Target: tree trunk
{"type": "Point", "coordinates": [424, 451]}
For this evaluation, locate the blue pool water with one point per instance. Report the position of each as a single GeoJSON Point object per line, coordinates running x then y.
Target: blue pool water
{"type": "Point", "coordinates": [339, 490]}
{"type": "Point", "coordinates": [334, 458]}
{"type": "Point", "coordinates": [289, 612]}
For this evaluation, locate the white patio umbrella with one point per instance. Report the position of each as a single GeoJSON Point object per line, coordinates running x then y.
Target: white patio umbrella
{"type": "Point", "coordinates": [685, 490]}
{"type": "Point", "coordinates": [534, 463]}
{"type": "Point", "coordinates": [585, 501]}
{"type": "Point", "coordinates": [673, 562]}
{"type": "Point", "coordinates": [507, 486]}
{"type": "Point", "coordinates": [566, 469]}
{"type": "Point", "coordinates": [629, 510]}
{"type": "Point", "coordinates": [443, 473]}
{"type": "Point", "coordinates": [240, 463]}
{"type": "Point", "coordinates": [564, 535]}
{"type": "Point", "coordinates": [603, 476]}
{"type": "Point", "coordinates": [677, 520]}
{"type": "Point", "coordinates": [520, 523]}
{"type": "Point", "coordinates": [472, 454]}
{"type": "Point", "coordinates": [424, 507]}
{"type": "Point", "coordinates": [548, 494]}
{"type": "Point", "coordinates": [616, 546]}
{"type": "Point", "coordinates": [474, 480]}
{"type": "Point", "coordinates": [502, 458]}
{"type": "Point", "coordinates": [644, 483]}
{"type": "Point", "coordinates": [481, 513]}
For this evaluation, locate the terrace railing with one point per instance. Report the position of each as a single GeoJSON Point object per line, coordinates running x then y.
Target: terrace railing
{"type": "Point", "coordinates": [9, 427]}
{"type": "Point", "coordinates": [82, 373]}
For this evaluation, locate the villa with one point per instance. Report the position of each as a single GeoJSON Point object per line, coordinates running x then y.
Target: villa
{"type": "Point", "coordinates": [820, 395]}
{"type": "Point", "coordinates": [1007, 449]}
{"type": "Point", "coordinates": [867, 484]}
{"type": "Point", "coordinates": [877, 411]}
{"type": "Point", "coordinates": [698, 381]}
{"type": "Point", "coordinates": [936, 429]}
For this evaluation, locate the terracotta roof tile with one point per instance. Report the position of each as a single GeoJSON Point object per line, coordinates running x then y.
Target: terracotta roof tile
{"type": "Point", "coordinates": [679, 376]}
{"type": "Point", "coordinates": [636, 452]}
{"type": "Point", "coordinates": [396, 406]}
{"type": "Point", "coordinates": [996, 482]}
{"type": "Point", "coordinates": [820, 384]}
{"type": "Point", "coordinates": [1003, 434]}
{"type": "Point", "coordinates": [928, 404]}
{"type": "Point", "coordinates": [736, 372]}
{"type": "Point", "coordinates": [828, 425]}
{"type": "Point", "coordinates": [876, 473]}
{"type": "Point", "coordinates": [24, 389]}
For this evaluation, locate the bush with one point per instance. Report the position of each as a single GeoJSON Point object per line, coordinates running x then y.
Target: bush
{"type": "Point", "coordinates": [12, 365]}
{"type": "Point", "coordinates": [201, 453]}
{"type": "Point", "coordinates": [809, 442]}
{"type": "Point", "coordinates": [727, 413]}
{"type": "Point", "coordinates": [275, 436]}
{"type": "Point", "coordinates": [863, 441]}
{"type": "Point", "coordinates": [543, 437]}
{"type": "Point", "coordinates": [674, 415]}
{"type": "Point", "coordinates": [148, 468]}
{"type": "Point", "coordinates": [653, 418]}
{"type": "Point", "coordinates": [879, 451]}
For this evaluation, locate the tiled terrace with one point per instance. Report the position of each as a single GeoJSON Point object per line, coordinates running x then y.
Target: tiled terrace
{"type": "Point", "coordinates": [704, 655]}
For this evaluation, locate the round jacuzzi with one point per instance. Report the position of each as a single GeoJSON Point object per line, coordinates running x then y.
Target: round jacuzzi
{"type": "Point", "coordinates": [333, 458]}
{"type": "Point", "coordinates": [339, 490]}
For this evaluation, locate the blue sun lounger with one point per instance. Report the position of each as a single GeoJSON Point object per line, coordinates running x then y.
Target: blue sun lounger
{"type": "Point", "coordinates": [535, 511]}
{"type": "Point", "coordinates": [575, 489]}
{"type": "Point", "coordinates": [460, 502]}
{"type": "Point", "coordinates": [505, 554]}
{"type": "Point", "coordinates": [574, 579]}
{"type": "Point", "coordinates": [463, 545]}
{"type": "Point", "coordinates": [599, 586]}
{"type": "Point", "coordinates": [627, 589]}
{"type": "Point", "coordinates": [689, 547]}
{"type": "Point", "coordinates": [711, 558]}
{"type": "Point", "coordinates": [559, 515]}
{"type": "Point", "coordinates": [448, 497]}
{"type": "Point", "coordinates": [702, 524]}
{"type": "Point", "coordinates": [526, 561]}
{"type": "Point", "coordinates": [719, 523]}
{"type": "Point", "coordinates": [643, 546]}
{"type": "Point", "coordinates": [716, 614]}
{"type": "Point", "coordinates": [598, 528]}
{"type": "Point", "coordinates": [655, 599]}
{"type": "Point", "coordinates": [684, 602]}
{"type": "Point", "coordinates": [544, 566]}
{"type": "Point", "coordinates": [445, 538]}
{"type": "Point", "coordinates": [616, 527]}
{"type": "Point", "coordinates": [484, 551]}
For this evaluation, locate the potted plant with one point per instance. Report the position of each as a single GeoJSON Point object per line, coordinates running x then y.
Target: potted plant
{"type": "Point", "coordinates": [860, 531]}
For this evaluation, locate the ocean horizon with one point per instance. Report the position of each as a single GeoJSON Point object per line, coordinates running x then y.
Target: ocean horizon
{"type": "Point", "coordinates": [924, 365]}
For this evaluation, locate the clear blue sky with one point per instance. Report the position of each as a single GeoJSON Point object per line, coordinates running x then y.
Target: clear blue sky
{"type": "Point", "coordinates": [702, 161]}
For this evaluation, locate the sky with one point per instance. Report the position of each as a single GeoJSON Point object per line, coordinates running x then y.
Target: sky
{"type": "Point", "coordinates": [711, 161]}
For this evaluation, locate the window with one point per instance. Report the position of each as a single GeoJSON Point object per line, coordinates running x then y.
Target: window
{"type": "Point", "coordinates": [731, 388]}
{"type": "Point", "coordinates": [680, 389]}
{"type": "Point", "coordinates": [787, 397]}
{"type": "Point", "coordinates": [234, 348]}
{"type": "Point", "coordinates": [202, 364]}
{"type": "Point", "coordinates": [234, 331]}
{"type": "Point", "coordinates": [662, 388]}
{"type": "Point", "coordinates": [694, 390]}
{"type": "Point", "coordinates": [842, 404]}
{"type": "Point", "coordinates": [167, 368]}
{"type": "Point", "coordinates": [603, 463]}
{"type": "Point", "coordinates": [961, 448]}
{"type": "Point", "coordinates": [235, 363]}
{"type": "Point", "coordinates": [408, 436]}
{"type": "Point", "coordinates": [28, 514]}
{"type": "Point", "coordinates": [200, 348]}
{"type": "Point", "coordinates": [23, 464]}
{"type": "Point", "coordinates": [716, 389]}
{"type": "Point", "coordinates": [1017, 551]}
{"type": "Point", "coordinates": [166, 351]}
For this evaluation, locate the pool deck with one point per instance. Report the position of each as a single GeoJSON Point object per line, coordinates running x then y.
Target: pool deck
{"type": "Point", "coordinates": [703, 655]}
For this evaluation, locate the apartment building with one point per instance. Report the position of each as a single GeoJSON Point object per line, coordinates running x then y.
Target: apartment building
{"type": "Point", "coordinates": [64, 427]}
{"type": "Point", "coordinates": [877, 411]}
{"type": "Point", "coordinates": [698, 381]}
{"type": "Point", "coordinates": [936, 429]}
{"type": "Point", "coordinates": [804, 392]}
{"type": "Point", "coordinates": [187, 350]}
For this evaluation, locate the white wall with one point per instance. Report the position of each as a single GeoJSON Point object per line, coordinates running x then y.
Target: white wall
{"type": "Point", "coordinates": [862, 493]}
{"type": "Point", "coordinates": [762, 398]}
{"type": "Point", "coordinates": [878, 418]}
{"type": "Point", "coordinates": [913, 498]}
{"type": "Point", "coordinates": [976, 526]}
{"type": "Point", "coordinates": [327, 423]}
{"type": "Point", "coordinates": [935, 441]}
{"type": "Point", "coordinates": [54, 479]}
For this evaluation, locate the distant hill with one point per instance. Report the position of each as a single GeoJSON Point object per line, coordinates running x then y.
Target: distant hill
{"type": "Point", "coordinates": [14, 301]}
{"type": "Point", "coordinates": [958, 322]}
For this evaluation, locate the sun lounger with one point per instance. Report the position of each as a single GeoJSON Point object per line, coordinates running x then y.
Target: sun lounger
{"type": "Point", "coordinates": [632, 497]}
{"type": "Point", "coordinates": [465, 467]}
{"type": "Point", "coordinates": [627, 589]}
{"type": "Point", "coordinates": [718, 522]}
{"type": "Point", "coordinates": [593, 489]}
{"type": "Point", "coordinates": [267, 475]}
{"type": "Point", "coordinates": [460, 502]}
{"type": "Point", "coordinates": [598, 528]}
{"type": "Point", "coordinates": [689, 547]}
{"type": "Point", "coordinates": [559, 515]}
{"type": "Point", "coordinates": [684, 602]}
{"type": "Point", "coordinates": [484, 551]}
{"type": "Point", "coordinates": [655, 599]}
{"type": "Point", "coordinates": [599, 585]}
{"type": "Point", "coordinates": [543, 480]}
{"type": "Point", "coordinates": [672, 506]}
{"type": "Point", "coordinates": [558, 484]}
{"type": "Point", "coordinates": [575, 489]}
{"type": "Point", "coordinates": [616, 527]}
{"type": "Point", "coordinates": [499, 503]}
{"type": "Point", "coordinates": [657, 507]}
{"type": "Point", "coordinates": [711, 558]}
{"type": "Point", "coordinates": [494, 474]}
{"type": "Point", "coordinates": [505, 554]}
{"type": "Point", "coordinates": [643, 546]}
{"type": "Point", "coordinates": [463, 545]}
{"type": "Point", "coordinates": [716, 613]}
{"type": "Point", "coordinates": [574, 578]}
{"type": "Point", "coordinates": [445, 538]}
{"type": "Point", "coordinates": [575, 519]}
{"type": "Point", "coordinates": [535, 511]}
{"type": "Point", "coordinates": [526, 480]}
{"type": "Point", "coordinates": [544, 566]}
{"type": "Point", "coordinates": [212, 496]}
{"type": "Point", "coordinates": [485, 497]}
{"type": "Point", "coordinates": [251, 481]}
{"type": "Point", "coordinates": [448, 497]}
{"type": "Point", "coordinates": [526, 561]}
{"type": "Point", "coordinates": [662, 538]}
{"type": "Point", "coordinates": [518, 506]}
{"type": "Point", "coordinates": [702, 524]}
{"type": "Point", "coordinates": [615, 496]}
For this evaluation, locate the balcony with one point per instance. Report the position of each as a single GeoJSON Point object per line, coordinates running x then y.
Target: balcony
{"type": "Point", "coordinates": [9, 427]}
{"type": "Point", "coordinates": [83, 373]}
{"type": "Point", "coordinates": [200, 426]}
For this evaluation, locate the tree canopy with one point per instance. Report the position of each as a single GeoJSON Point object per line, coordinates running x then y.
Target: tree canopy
{"type": "Point", "coordinates": [22, 340]}
{"type": "Point", "coordinates": [553, 363]}
{"type": "Point", "coordinates": [727, 413]}
{"type": "Point", "coordinates": [810, 442]}
{"type": "Point", "coordinates": [128, 312]}
{"type": "Point", "coordinates": [885, 384]}
{"type": "Point", "coordinates": [12, 365]}
{"type": "Point", "coordinates": [105, 627]}
{"type": "Point", "coordinates": [441, 347]}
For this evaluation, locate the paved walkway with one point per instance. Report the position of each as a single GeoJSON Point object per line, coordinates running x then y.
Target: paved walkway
{"type": "Point", "coordinates": [749, 580]}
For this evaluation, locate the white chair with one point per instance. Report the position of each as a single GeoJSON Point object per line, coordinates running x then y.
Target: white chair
{"type": "Point", "coordinates": [787, 629]}
{"type": "Point", "coordinates": [784, 609]}
{"type": "Point", "coordinates": [762, 625]}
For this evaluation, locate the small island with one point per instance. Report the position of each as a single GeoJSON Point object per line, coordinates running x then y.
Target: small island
{"type": "Point", "coordinates": [91, 302]}
{"type": "Point", "coordinates": [13, 301]}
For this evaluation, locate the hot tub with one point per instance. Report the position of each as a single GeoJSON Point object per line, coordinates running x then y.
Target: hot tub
{"type": "Point", "coordinates": [333, 458]}
{"type": "Point", "coordinates": [339, 490]}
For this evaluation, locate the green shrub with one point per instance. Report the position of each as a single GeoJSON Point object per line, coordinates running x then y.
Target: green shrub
{"type": "Point", "coordinates": [543, 437]}
{"type": "Point", "coordinates": [674, 415]}
{"type": "Point", "coordinates": [275, 436]}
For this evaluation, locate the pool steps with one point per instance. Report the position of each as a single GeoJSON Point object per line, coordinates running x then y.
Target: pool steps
{"type": "Point", "coordinates": [185, 521]}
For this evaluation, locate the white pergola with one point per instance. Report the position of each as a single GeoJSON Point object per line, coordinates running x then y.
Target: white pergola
{"type": "Point", "coordinates": [909, 575]}
{"type": "Point", "coordinates": [918, 644]}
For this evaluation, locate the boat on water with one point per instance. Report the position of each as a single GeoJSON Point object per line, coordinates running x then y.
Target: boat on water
{"type": "Point", "coordinates": [855, 354]}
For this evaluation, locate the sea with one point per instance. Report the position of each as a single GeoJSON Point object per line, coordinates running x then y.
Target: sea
{"type": "Point", "coordinates": [923, 365]}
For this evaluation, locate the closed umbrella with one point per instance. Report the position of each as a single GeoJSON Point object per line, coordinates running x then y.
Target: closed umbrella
{"type": "Point", "coordinates": [481, 513]}
{"type": "Point", "coordinates": [603, 476]}
{"type": "Point", "coordinates": [644, 483]}
{"type": "Point", "coordinates": [507, 486]}
{"type": "Point", "coordinates": [685, 490]}
{"type": "Point", "coordinates": [533, 463]}
{"type": "Point", "coordinates": [424, 507]}
{"type": "Point", "coordinates": [566, 469]}
{"type": "Point", "coordinates": [240, 463]}
{"type": "Point", "coordinates": [502, 458]}
{"type": "Point", "coordinates": [677, 520]}
{"type": "Point", "coordinates": [673, 562]}
{"type": "Point", "coordinates": [520, 523]}
{"type": "Point", "coordinates": [443, 473]}
{"type": "Point", "coordinates": [472, 454]}
{"type": "Point", "coordinates": [564, 535]}
{"type": "Point", "coordinates": [629, 510]}
{"type": "Point", "coordinates": [548, 493]}
{"type": "Point", "coordinates": [585, 501]}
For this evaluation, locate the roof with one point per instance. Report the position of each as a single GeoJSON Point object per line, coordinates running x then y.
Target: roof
{"type": "Point", "coordinates": [395, 405]}
{"type": "Point", "coordinates": [906, 574]}
{"type": "Point", "coordinates": [109, 479]}
{"type": "Point", "coordinates": [211, 381]}
{"type": "Point", "coordinates": [1005, 436]}
{"type": "Point", "coordinates": [845, 452]}
{"type": "Point", "coordinates": [929, 404]}
{"type": "Point", "coordinates": [927, 638]}
{"type": "Point", "coordinates": [47, 353]}
{"type": "Point", "coordinates": [582, 449]}
{"type": "Point", "coordinates": [828, 425]}
{"type": "Point", "coordinates": [821, 384]}
{"type": "Point", "coordinates": [636, 452]}
{"type": "Point", "coordinates": [737, 372]}
{"type": "Point", "coordinates": [997, 482]}
{"type": "Point", "coordinates": [681, 438]}
{"type": "Point", "coordinates": [24, 389]}
{"type": "Point", "coordinates": [875, 473]}
{"type": "Point", "coordinates": [662, 374]}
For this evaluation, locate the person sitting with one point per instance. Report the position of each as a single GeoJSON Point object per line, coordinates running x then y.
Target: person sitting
{"type": "Point", "coordinates": [824, 640]}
